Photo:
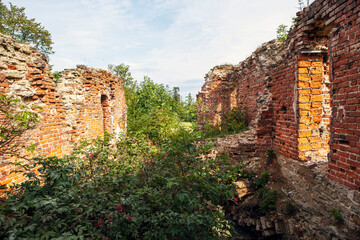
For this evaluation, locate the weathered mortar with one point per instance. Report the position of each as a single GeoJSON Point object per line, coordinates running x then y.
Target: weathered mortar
{"type": "Point", "coordinates": [81, 105]}
{"type": "Point", "coordinates": [304, 103]}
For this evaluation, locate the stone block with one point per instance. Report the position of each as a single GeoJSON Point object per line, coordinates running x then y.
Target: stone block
{"type": "Point", "coordinates": [316, 119]}
{"type": "Point", "coordinates": [303, 84]}
{"type": "Point", "coordinates": [317, 64]}
{"type": "Point", "coordinates": [304, 91]}
{"type": "Point", "coordinates": [315, 139]}
{"type": "Point", "coordinates": [303, 141]}
{"type": "Point", "coordinates": [305, 133]}
{"type": "Point", "coordinates": [315, 85]}
{"type": "Point", "coordinates": [305, 147]}
{"type": "Point", "coordinates": [316, 98]}
{"type": "Point", "coordinates": [317, 78]}
{"type": "Point", "coordinates": [304, 64]}
{"type": "Point", "coordinates": [304, 77]}
{"type": "Point", "coordinates": [315, 71]}
{"type": "Point", "coordinates": [316, 104]}
{"type": "Point", "coordinates": [315, 112]}
{"type": "Point", "coordinates": [316, 91]}
{"type": "Point", "coordinates": [303, 71]}
{"type": "Point", "coordinates": [304, 106]}
{"type": "Point", "coordinates": [304, 113]}
{"type": "Point", "coordinates": [304, 99]}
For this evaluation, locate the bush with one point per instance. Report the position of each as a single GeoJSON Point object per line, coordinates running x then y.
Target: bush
{"type": "Point", "coordinates": [232, 122]}
{"type": "Point", "coordinates": [134, 191]}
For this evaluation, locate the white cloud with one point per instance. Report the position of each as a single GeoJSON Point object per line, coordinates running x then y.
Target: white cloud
{"type": "Point", "coordinates": [172, 41]}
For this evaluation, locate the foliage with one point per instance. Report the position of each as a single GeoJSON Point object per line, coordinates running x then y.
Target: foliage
{"type": "Point", "coordinates": [123, 71]}
{"type": "Point", "coordinates": [266, 196]}
{"type": "Point", "coordinates": [152, 111]}
{"type": "Point", "coordinates": [235, 121]}
{"type": "Point", "coordinates": [146, 100]}
{"type": "Point", "coordinates": [337, 215]}
{"type": "Point", "coordinates": [15, 119]}
{"type": "Point", "coordinates": [176, 94]}
{"type": "Point", "coordinates": [268, 199]}
{"type": "Point", "coordinates": [282, 32]}
{"type": "Point", "coordinates": [134, 191]}
{"type": "Point", "coordinates": [15, 23]}
{"type": "Point", "coordinates": [57, 75]}
{"type": "Point", "coordinates": [188, 113]}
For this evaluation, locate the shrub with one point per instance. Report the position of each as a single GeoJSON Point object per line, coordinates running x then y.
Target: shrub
{"type": "Point", "coordinates": [232, 122]}
{"type": "Point", "coordinates": [134, 191]}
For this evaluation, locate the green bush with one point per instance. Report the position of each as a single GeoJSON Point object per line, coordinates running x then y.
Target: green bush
{"type": "Point", "coordinates": [265, 195]}
{"type": "Point", "coordinates": [235, 121]}
{"type": "Point", "coordinates": [134, 191]}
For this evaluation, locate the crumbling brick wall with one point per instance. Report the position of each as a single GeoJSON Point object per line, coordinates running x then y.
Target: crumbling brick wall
{"type": "Point", "coordinates": [302, 96]}
{"type": "Point", "coordinates": [82, 104]}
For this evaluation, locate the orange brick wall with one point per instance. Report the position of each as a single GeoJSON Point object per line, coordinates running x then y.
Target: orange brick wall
{"type": "Point", "coordinates": [314, 108]}
{"type": "Point", "coordinates": [303, 98]}
{"type": "Point", "coordinates": [71, 107]}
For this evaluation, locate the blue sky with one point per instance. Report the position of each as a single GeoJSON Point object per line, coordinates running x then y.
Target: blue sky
{"type": "Point", "coordinates": [175, 42]}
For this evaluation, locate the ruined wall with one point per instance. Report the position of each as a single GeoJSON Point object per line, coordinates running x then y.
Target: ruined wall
{"type": "Point", "coordinates": [303, 99]}
{"type": "Point", "coordinates": [302, 96]}
{"type": "Point", "coordinates": [81, 104]}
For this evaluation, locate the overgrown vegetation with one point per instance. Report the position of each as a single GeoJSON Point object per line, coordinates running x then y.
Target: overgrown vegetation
{"type": "Point", "coordinates": [15, 119]}
{"type": "Point", "coordinates": [153, 109]}
{"type": "Point", "coordinates": [134, 191]}
{"type": "Point", "coordinates": [266, 196]}
{"type": "Point", "coordinates": [235, 121]}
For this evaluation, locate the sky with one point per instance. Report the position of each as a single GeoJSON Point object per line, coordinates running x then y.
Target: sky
{"type": "Point", "coordinates": [174, 42]}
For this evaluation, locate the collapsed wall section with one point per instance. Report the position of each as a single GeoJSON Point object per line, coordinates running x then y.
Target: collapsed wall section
{"type": "Point", "coordinates": [302, 96]}
{"type": "Point", "coordinates": [306, 107]}
{"type": "Point", "coordinates": [82, 104]}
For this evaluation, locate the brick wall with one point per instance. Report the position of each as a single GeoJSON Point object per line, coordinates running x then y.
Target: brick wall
{"type": "Point", "coordinates": [81, 104]}
{"type": "Point", "coordinates": [303, 96]}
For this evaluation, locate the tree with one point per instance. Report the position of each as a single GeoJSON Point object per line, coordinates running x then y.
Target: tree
{"type": "Point", "coordinates": [189, 109]}
{"type": "Point", "coordinates": [123, 71]}
{"type": "Point", "coordinates": [15, 23]}
{"type": "Point", "coordinates": [176, 91]}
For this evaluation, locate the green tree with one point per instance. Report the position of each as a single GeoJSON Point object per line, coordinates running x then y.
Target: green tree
{"type": "Point", "coordinates": [189, 109]}
{"type": "Point", "coordinates": [176, 94]}
{"type": "Point", "coordinates": [15, 23]}
{"type": "Point", "coordinates": [153, 109]}
{"type": "Point", "coordinates": [123, 71]}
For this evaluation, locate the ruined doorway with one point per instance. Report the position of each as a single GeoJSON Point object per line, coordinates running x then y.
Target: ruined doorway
{"type": "Point", "coordinates": [314, 106]}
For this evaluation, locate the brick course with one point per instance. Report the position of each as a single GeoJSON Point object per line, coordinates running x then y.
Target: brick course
{"type": "Point", "coordinates": [80, 105]}
{"type": "Point", "coordinates": [302, 96]}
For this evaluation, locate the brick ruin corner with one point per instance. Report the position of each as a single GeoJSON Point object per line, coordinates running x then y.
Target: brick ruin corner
{"type": "Point", "coordinates": [303, 101]}
{"type": "Point", "coordinates": [82, 104]}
